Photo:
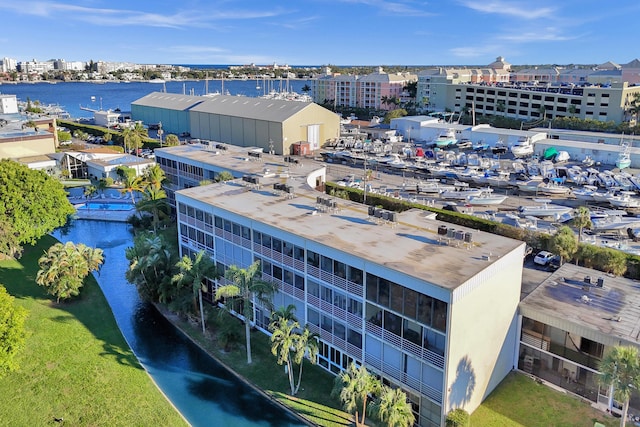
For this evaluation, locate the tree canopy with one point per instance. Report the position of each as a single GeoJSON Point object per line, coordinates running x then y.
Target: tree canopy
{"type": "Point", "coordinates": [33, 203]}
{"type": "Point", "coordinates": [12, 332]}
{"type": "Point", "coordinates": [64, 267]}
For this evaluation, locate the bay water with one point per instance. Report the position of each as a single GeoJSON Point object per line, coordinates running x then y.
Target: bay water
{"type": "Point", "coordinates": [76, 97]}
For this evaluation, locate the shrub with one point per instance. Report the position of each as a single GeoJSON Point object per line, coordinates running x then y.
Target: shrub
{"type": "Point", "coordinates": [458, 418]}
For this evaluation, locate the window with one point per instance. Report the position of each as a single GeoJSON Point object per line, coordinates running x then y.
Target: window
{"type": "Point", "coordinates": [313, 259]}
{"type": "Point", "coordinates": [276, 245]}
{"type": "Point", "coordinates": [354, 338]}
{"type": "Point", "coordinates": [326, 294]}
{"type": "Point", "coordinates": [340, 300]}
{"type": "Point", "coordinates": [354, 307]}
{"type": "Point", "coordinates": [298, 253]}
{"type": "Point", "coordinates": [383, 292]}
{"type": "Point", "coordinates": [355, 275]}
{"type": "Point", "coordinates": [327, 324]}
{"type": "Point", "coordinates": [425, 307]}
{"type": "Point", "coordinates": [288, 277]}
{"type": "Point", "coordinates": [313, 317]}
{"type": "Point", "coordinates": [299, 282]}
{"type": "Point", "coordinates": [277, 272]}
{"type": "Point", "coordinates": [226, 224]}
{"type": "Point", "coordinates": [236, 229]}
{"type": "Point", "coordinates": [340, 269]}
{"type": "Point", "coordinates": [287, 249]}
{"type": "Point", "coordinates": [266, 267]}
{"type": "Point", "coordinates": [339, 330]}
{"type": "Point", "coordinates": [396, 296]}
{"type": "Point", "coordinates": [257, 237]}
{"type": "Point", "coordinates": [266, 241]}
{"type": "Point", "coordinates": [326, 264]}
{"type": "Point", "coordinates": [313, 288]}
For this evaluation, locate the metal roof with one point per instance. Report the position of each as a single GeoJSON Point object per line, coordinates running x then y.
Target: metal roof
{"type": "Point", "coordinates": [272, 110]}
{"type": "Point", "coordinates": [170, 101]}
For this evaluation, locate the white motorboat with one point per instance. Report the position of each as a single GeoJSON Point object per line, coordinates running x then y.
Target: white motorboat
{"type": "Point", "coordinates": [553, 188]}
{"type": "Point", "coordinates": [545, 209]}
{"type": "Point", "coordinates": [530, 185]}
{"type": "Point", "coordinates": [604, 197]}
{"type": "Point", "coordinates": [585, 193]}
{"type": "Point", "coordinates": [624, 199]}
{"type": "Point", "coordinates": [487, 198]}
{"type": "Point", "coordinates": [615, 222]}
{"type": "Point", "coordinates": [461, 192]}
{"type": "Point", "coordinates": [522, 148]}
{"type": "Point", "coordinates": [446, 138]}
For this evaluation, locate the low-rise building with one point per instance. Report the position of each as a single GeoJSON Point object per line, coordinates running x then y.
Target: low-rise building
{"type": "Point", "coordinates": [429, 307]}
{"type": "Point", "coordinates": [569, 322]}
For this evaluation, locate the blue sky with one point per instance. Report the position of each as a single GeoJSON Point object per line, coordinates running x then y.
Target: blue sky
{"type": "Point", "coordinates": [320, 32]}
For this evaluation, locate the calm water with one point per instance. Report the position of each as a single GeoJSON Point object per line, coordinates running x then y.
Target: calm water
{"type": "Point", "coordinates": [202, 390]}
{"type": "Point", "coordinates": [109, 96]}
{"type": "Point", "coordinates": [106, 206]}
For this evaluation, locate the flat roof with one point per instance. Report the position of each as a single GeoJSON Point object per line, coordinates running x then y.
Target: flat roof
{"type": "Point", "coordinates": [411, 246]}
{"type": "Point", "coordinates": [605, 314]}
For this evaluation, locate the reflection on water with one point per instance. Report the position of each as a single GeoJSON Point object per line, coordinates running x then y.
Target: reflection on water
{"type": "Point", "coordinates": [202, 390]}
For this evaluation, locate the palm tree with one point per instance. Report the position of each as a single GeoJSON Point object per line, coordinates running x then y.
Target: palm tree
{"type": "Point", "coordinates": [64, 267]}
{"type": "Point", "coordinates": [247, 287]}
{"type": "Point", "coordinates": [132, 139]}
{"type": "Point", "coordinates": [131, 184]}
{"type": "Point", "coordinates": [581, 220]}
{"type": "Point", "coordinates": [620, 370]}
{"type": "Point", "coordinates": [305, 345]}
{"type": "Point", "coordinates": [150, 267]}
{"type": "Point", "coordinates": [287, 313]}
{"type": "Point", "coordinates": [154, 201]}
{"type": "Point", "coordinates": [283, 339]}
{"type": "Point", "coordinates": [193, 273]}
{"type": "Point", "coordinates": [393, 408]}
{"type": "Point", "coordinates": [354, 386]}
{"type": "Point", "coordinates": [154, 176]}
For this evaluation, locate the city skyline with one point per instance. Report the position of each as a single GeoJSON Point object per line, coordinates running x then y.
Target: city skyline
{"type": "Point", "coordinates": [320, 32]}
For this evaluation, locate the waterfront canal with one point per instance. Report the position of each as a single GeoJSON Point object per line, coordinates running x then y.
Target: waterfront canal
{"type": "Point", "coordinates": [201, 389]}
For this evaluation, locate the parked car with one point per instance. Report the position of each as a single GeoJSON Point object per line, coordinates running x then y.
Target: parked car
{"type": "Point", "coordinates": [543, 258]}
{"type": "Point", "coordinates": [554, 263]}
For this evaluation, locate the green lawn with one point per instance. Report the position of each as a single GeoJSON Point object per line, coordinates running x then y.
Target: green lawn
{"type": "Point", "coordinates": [520, 401]}
{"type": "Point", "coordinates": [76, 364]}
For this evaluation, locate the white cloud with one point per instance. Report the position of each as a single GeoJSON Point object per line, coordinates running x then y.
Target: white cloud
{"type": "Point", "coordinates": [543, 34]}
{"type": "Point", "coordinates": [523, 10]}
{"type": "Point", "coordinates": [120, 17]}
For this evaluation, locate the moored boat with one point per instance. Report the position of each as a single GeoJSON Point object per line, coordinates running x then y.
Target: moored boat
{"type": "Point", "coordinates": [446, 139]}
{"type": "Point", "coordinates": [523, 147]}
{"type": "Point", "coordinates": [545, 209]}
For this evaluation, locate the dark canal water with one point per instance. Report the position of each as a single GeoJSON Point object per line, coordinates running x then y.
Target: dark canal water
{"type": "Point", "coordinates": [203, 391]}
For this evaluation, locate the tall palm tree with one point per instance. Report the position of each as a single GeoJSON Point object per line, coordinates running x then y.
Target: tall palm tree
{"type": "Point", "coordinates": [283, 340]}
{"type": "Point", "coordinates": [131, 140]}
{"type": "Point", "coordinates": [131, 184]}
{"type": "Point", "coordinates": [354, 386]}
{"type": "Point", "coordinates": [305, 345]}
{"type": "Point", "coordinates": [394, 409]}
{"type": "Point", "coordinates": [581, 220]}
{"type": "Point", "coordinates": [193, 273]}
{"type": "Point", "coordinates": [247, 286]}
{"type": "Point", "coordinates": [620, 370]}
